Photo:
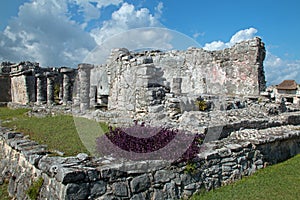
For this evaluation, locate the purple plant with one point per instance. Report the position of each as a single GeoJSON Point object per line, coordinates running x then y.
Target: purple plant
{"type": "Point", "coordinates": [140, 142]}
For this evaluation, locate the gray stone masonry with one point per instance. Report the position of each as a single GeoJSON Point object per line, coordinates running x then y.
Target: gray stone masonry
{"type": "Point", "coordinates": [67, 84]}
{"type": "Point", "coordinates": [218, 163]}
{"type": "Point", "coordinates": [233, 71]}
{"type": "Point", "coordinates": [40, 88]}
{"type": "Point", "coordinates": [27, 82]}
{"type": "Point", "coordinates": [84, 71]}
{"type": "Point", "coordinates": [50, 87]}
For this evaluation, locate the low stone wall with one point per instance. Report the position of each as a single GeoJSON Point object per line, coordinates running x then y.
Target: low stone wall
{"type": "Point", "coordinates": [82, 177]}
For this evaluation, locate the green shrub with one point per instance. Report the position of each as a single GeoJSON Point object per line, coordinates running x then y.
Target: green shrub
{"type": "Point", "coordinates": [201, 104]}
{"type": "Point", "coordinates": [190, 168]}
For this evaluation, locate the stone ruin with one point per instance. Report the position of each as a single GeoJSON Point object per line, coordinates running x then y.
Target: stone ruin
{"type": "Point", "coordinates": [27, 83]}
{"type": "Point", "coordinates": [135, 82]}
{"type": "Point", "coordinates": [243, 134]}
{"type": "Point", "coordinates": [148, 85]}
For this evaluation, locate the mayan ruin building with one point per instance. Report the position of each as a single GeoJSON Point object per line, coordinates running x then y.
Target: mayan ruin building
{"type": "Point", "coordinates": [137, 81]}
{"type": "Point", "coordinates": [218, 95]}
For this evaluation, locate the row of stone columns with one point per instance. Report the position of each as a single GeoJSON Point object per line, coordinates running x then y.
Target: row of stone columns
{"type": "Point", "coordinates": [45, 82]}
{"type": "Point", "coordinates": [45, 86]}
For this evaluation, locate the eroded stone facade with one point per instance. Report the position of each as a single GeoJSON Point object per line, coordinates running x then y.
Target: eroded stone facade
{"type": "Point", "coordinates": [134, 81]}
{"type": "Point", "coordinates": [27, 82]}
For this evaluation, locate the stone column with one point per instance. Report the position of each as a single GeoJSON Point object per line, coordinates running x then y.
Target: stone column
{"type": "Point", "coordinates": [84, 71]}
{"type": "Point", "coordinates": [176, 89]}
{"type": "Point", "coordinates": [61, 89]}
{"type": "Point", "coordinates": [93, 95]}
{"type": "Point", "coordinates": [67, 85]}
{"type": "Point", "coordinates": [50, 87]}
{"type": "Point", "coordinates": [40, 86]}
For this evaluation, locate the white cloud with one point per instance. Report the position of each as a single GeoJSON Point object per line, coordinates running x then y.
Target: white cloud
{"type": "Point", "coordinates": [42, 32]}
{"type": "Point", "coordinates": [45, 31]}
{"type": "Point", "coordinates": [197, 34]}
{"type": "Point", "coordinates": [127, 17]}
{"type": "Point", "coordinates": [241, 35]}
{"type": "Point", "coordinates": [91, 8]}
{"type": "Point", "coordinates": [159, 9]}
{"type": "Point", "coordinates": [105, 3]}
{"type": "Point", "coordinates": [278, 69]}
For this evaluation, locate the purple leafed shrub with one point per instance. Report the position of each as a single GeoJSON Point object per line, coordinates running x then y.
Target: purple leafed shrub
{"type": "Point", "coordinates": [141, 142]}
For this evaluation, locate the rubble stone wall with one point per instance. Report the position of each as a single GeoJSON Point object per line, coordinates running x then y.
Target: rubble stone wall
{"type": "Point", "coordinates": [81, 177]}
{"type": "Point", "coordinates": [128, 76]}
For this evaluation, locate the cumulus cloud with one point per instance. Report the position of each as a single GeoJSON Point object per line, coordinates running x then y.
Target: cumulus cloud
{"type": "Point", "coordinates": [141, 39]}
{"type": "Point", "coordinates": [43, 32]}
{"type": "Point", "coordinates": [241, 35]}
{"type": "Point", "coordinates": [127, 17]}
{"type": "Point", "coordinates": [278, 69]}
{"type": "Point", "coordinates": [46, 31]}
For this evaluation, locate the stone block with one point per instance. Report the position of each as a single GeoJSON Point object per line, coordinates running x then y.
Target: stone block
{"type": "Point", "coordinates": [140, 183]}
{"type": "Point", "coordinates": [98, 188]}
{"type": "Point", "coordinates": [67, 175]}
{"type": "Point", "coordinates": [77, 191]}
{"type": "Point", "coordinates": [155, 109]}
{"type": "Point", "coordinates": [120, 189]}
{"type": "Point", "coordinates": [163, 176]}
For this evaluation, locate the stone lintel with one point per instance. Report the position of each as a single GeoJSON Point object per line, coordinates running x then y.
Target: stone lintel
{"type": "Point", "coordinates": [85, 66]}
{"type": "Point", "coordinates": [50, 74]}
{"type": "Point", "coordinates": [65, 70]}
{"type": "Point", "coordinates": [40, 75]}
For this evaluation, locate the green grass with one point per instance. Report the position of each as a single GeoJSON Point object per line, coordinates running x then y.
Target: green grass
{"type": "Point", "coordinates": [281, 181]}
{"type": "Point", "coordinates": [12, 114]}
{"type": "Point", "coordinates": [57, 132]}
{"type": "Point", "coordinates": [34, 190]}
{"type": "Point", "coordinates": [3, 192]}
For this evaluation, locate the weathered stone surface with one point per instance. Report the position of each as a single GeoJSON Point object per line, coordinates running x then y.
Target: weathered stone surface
{"type": "Point", "coordinates": [41, 88]}
{"type": "Point", "coordinates": [66, 175]}
{"type": "Point", "coordinates": [98, 188]}
{"type": "Point", "coordinates": [120, 189]}
{"type": "Point", "coordinates": [140, 183]}
{"type": "Point", "coordinates": [77, 191]}
{"type": "Point", "coordinates": [238, 70]}
{"type": "Point", "coordinates": [50, 87]}
{"type": "Point", "coordinates": [84, 81]}
{"type": "Point", "coordinates": [163, 176]}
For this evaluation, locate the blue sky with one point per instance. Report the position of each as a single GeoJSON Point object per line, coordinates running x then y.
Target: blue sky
{"type": "Point", "coordinates": [63, 32]}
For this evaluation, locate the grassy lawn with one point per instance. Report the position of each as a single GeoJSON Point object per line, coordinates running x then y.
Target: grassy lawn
{"type": "Point", "coordinates": [58, 132]}
{"type": "Point", "coordinates": [281, 181]}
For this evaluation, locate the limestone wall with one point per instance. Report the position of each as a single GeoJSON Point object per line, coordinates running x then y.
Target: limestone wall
{"type": "Point", "coordinates": [82, 177]}
{"type": "Point", "coordinates": [131, 78]}
{"type": "Point", "coordinates": [23, 89]}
